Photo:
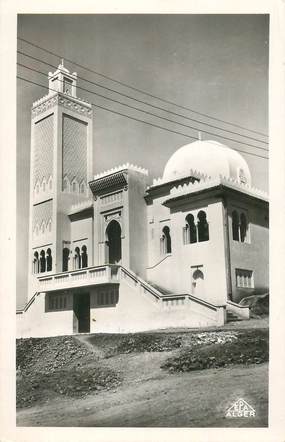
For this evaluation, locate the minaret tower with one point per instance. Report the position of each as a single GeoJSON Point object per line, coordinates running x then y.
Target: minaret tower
{"type": "Point", "coordinates": [61, 167]}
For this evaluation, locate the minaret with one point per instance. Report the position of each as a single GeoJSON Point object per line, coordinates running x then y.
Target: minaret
{"type": "Point", "coordinates": [61, 167]}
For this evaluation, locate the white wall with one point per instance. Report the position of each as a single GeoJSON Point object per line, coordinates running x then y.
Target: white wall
{"type": "Point", "coordinates": [37, 322]}
{"type": "Point", "coordinates": [135, 311]}
{"type": "Point", "coordinates": [175, 272]}
{"type": "Point", "coordinates": [254, 254]}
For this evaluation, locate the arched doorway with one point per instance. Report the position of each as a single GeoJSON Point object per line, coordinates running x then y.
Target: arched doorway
{"type": "Point", "coordinates": [198, 283]}
{"type": "Point", "coordinates": [113, 243]}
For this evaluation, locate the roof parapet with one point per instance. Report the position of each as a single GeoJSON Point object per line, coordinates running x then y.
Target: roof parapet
{"type": "Point", "coordinates": [119, 169]}
{"type": "Point", "coordinates": [53, 94]}
{"type": "Point", "coordinates": [80, 206]}
{"type": "Point", "coordinates": [207, 182]}
{"type": "Point", "coordinates": [192, 173]}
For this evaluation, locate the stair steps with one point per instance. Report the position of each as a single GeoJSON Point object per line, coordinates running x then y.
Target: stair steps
{"type": "Point", "coordinates": [232, 317]}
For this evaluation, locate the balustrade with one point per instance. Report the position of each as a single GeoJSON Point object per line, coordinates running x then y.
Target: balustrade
{"type": "Point", "coordinates": [92, 275]}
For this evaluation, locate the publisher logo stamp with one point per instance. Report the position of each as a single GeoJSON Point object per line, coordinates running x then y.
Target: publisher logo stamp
{"type": "Point", "coordinates": [240, 408]}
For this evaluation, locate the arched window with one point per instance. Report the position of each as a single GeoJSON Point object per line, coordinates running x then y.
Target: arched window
{"type": "Point", "coordinates": [42, 262]}
{"type": "Point", "coordinates": [243, 227]}
{"type": "Point", "coordinates": [166, 240]}
{"type": "Point", "coordinates": [36, 263]}
{"type": "Point", "coordinates": [84, 257]}
{"type": "Point", "coordinates": [235, 225]}
{"type": "Point", "coordinates": [49, 225]}
{"type": "Point", "coordinates": [77, 259]}
{"type": "Point", "coordinates": [190, 231]}
{"type": "Point", "coordinates": [65, 259]}
{"type": "Point", "coordinates": [203, 226]}
{"type": "Point", "coordinates": [43, 227]}
{"type": "Point", "coordinates": [37, 188]}
{"type": "Point", "coordinates": [49, 260]}
{"type": "Point", "coordinates": [37, 230]}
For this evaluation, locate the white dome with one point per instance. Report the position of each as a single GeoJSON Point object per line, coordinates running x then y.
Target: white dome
{"type": "Point", "coordinates": [207, 157]}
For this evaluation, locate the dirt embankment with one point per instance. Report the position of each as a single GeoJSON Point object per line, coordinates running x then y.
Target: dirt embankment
{"type": "Point", "coordinates": [76, 367]}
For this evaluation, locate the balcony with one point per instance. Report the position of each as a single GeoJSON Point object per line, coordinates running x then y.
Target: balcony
{"type": "Point", "coordinates": [78, 278]}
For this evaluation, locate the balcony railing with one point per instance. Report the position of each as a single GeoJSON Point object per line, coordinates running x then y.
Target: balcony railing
{"type": "Point", "coordinates": [78, 278]}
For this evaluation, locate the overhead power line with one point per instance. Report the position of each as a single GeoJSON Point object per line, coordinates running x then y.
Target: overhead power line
{"type": "Point", "coordinates": [137, 89]}
{"type": "Point", "coordinates": [136, 119]}
{"type": "Point", "coordinates": [150, 113]}
{"type": "Point", "coordinates": [141, 101]}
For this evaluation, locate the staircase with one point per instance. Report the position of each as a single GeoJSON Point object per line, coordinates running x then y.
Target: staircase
{"type": "Point", "coordinates": [236, 312]}
{"type": "Point", "coordinates": [232, 317]}
{"type": "Point", "coordinates": [142, 305]}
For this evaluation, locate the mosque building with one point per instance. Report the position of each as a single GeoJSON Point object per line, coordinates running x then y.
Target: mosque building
{"type": "Point", "coordinates": [114, 253]}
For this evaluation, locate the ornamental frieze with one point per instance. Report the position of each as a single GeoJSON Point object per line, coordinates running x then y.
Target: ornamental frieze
{"type": "Point", "coordinates": [62, 101]}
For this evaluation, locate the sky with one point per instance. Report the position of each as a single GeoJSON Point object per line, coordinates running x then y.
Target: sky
{"type": "Point", "coordinates": [213, 64]}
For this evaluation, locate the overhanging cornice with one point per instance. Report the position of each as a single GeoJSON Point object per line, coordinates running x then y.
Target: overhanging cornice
{"type": "Point", "coordinates": [219, 190]}
{"type": "Point", "coordinates": [113, 181]}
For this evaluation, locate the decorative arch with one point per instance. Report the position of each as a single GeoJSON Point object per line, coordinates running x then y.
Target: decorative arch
{"type": "Point", "coordinates": [48, 260]}
{"type": "Point", "coordinates": [37, 187]}
{"type": "Point", "coordinates": [198, 283]}
{"type": "Point", "coordinates": [77, 259]}
{"type": "Point", "coordinates": [113, 243]}
{"type": "Point", "coordinates": [43, 227]}
{"type": "Point", "coordinates": [44, 184]}
{"type": "Point", "coordinates": [82, 187]}
{"type": "Point", "coordinates": [42, 261]}
{"type": "Point", "coordinates": [36, 263]}
{"type": "Point", "coordinates": [203, 226]}
{"type": "Point", "coordinates": [165, 240]}
{"type": "Point", "coordinates": [84, 256]}
{"type": "Point", "coordinates": [190, 230]}
{"type": "Point", "coordinates": [74, 186]}
{"type": "Point", "coordinates": [65, 259]}
{"type": "Point", "coordinates": [66, 184]}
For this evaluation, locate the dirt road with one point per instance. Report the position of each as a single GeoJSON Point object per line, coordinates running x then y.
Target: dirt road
{"type": "Point", "coordinates": [152, 397]}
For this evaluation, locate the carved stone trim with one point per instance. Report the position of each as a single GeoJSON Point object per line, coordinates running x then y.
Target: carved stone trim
{"type": "Point", "coordinates": [74, 106]}
{"type": "Point", "coordinates": [113, 215]}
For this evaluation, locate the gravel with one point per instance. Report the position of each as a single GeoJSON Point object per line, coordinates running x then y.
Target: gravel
{"type": "Point", "coordinates": [250, 347]}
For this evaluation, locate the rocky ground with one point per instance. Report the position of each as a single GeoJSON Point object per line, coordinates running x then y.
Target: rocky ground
{"type": "Point", "coordinates": [104, 370]}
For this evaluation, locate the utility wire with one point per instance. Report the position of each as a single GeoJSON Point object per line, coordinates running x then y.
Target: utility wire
{"type": "Point", "coordinates": [143, 102]}
{"type": "Point", "coordinates": [137, 119]}
{"type": "Point", "coordinates": [150, 113]}
{"type": "Point", "coordinates": [138, 90]}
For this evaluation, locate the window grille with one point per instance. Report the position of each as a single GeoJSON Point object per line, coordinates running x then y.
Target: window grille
{"type": "Point", "coordinates": [244, 278]}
